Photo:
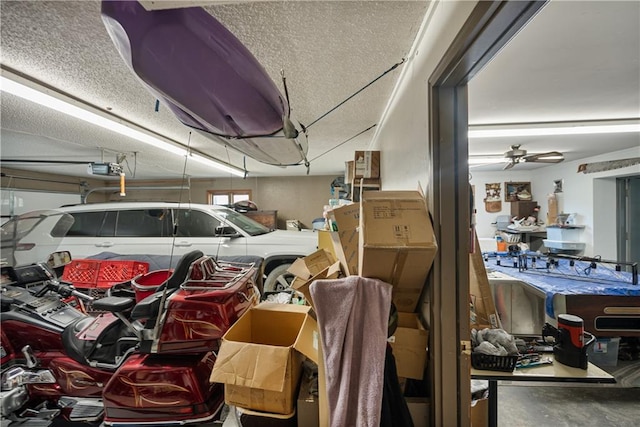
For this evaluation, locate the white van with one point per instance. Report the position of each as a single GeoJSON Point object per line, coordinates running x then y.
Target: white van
{"type": "Point", "coordinates": [158, 228]}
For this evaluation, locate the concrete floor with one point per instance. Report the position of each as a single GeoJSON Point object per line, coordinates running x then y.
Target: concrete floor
{"type": "Point", "coordinates": [573, 405]}
{"type": "Point", "coordinates": [561, 406]}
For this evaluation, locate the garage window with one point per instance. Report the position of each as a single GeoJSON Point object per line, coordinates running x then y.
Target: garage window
{"type": "Point", "coordinates": [227, 197]}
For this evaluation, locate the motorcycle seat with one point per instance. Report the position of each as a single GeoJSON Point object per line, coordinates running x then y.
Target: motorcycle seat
{"type": "Point", "coordinates": [104, 349]}
{"type": "Point", "coordinates": [149, 307]}
{"type": "Point", "coordinates": [114, 304]}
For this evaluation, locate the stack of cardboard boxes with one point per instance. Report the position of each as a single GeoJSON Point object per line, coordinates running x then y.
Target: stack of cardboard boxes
{"type": "Point", "coordinates": [389, 236]}
{"type": "Point", "coordinates": [363, 173]}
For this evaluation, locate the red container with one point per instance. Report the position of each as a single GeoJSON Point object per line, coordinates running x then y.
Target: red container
{"type": "Point", "coordinates": [91, 273]}
{"type": "Point", "coordinates": [82, 273]}
{"type": "Point", "coordinates": [146, 284]}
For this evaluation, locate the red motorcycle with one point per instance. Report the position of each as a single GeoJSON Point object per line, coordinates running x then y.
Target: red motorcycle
{"type": "Point", "coordinates": [143, 362]}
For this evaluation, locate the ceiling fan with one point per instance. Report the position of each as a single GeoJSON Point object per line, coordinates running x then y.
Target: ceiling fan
{"type": "Point", "coordinates": [517, 155]}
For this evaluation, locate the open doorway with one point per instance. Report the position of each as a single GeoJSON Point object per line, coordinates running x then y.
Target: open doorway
{"type": "Point", "coordinates": [628, 212]}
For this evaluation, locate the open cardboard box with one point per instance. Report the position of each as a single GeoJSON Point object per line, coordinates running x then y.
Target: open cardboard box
{"type": "Point", "coordinates": [261, 355]}
{"type": "Point", "coordinates": [397, 243]}
{"type": "Point", "coordinates": [319, 265]}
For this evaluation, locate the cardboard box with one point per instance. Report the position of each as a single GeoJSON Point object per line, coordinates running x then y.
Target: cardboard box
{"type": "Point", "coordinates": [480, 413]}
{"type": "Point", "coordinates": [367, 164]}
{"type": "Point", "coordinates": [483, 308]}
{"type": "Point", "coordinates": [360, 185]}
{"type": "Point", "coordinates": [349, 171]}
{"type": "Point", "coordinates": [420, 411]}
{"type": "Point", "coordinates": [409, 343]}
{"type": "Point", "coordinates": [319, 265]}
{"type": "Point", "coordinates": [325, 242]}
{"type": "Point", "coordinates": [346, 239]}
{"type": "Point", "coordinates": [261, 355]}
{"type": "Point", "coordinates": [307, 405]}
{"type": "Point", "coordinates": [397, 243]}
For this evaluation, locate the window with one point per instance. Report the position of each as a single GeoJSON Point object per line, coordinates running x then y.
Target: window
{"type": "Point", "coordinates": [227, 197]}
{"type": "Point", "coordinates": [193, 223]}
{"type": "Point", "coordinates": [86, 224]}
{"type": "Point", "coordinates": [144, 223]}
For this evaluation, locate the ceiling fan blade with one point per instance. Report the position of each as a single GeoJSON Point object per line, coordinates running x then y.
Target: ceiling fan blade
{"type": "Point", "coordinates": [508, 166]}
{"type": "Point", "coordinates": [550, 157]}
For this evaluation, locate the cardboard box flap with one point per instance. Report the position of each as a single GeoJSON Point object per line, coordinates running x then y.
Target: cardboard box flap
{"type": "Point", "coordinates": [290, 308]}
{"type": "Point", "coordinates": [301, 285]}
{"type": "Point", "coordinates": [346, 217]}
{"type": "Point", "coordinates": [312, 264]}
{"type": "Point", "coordinates": [308, 340]}
{"type": "Point", "coordinates": [248, 365]}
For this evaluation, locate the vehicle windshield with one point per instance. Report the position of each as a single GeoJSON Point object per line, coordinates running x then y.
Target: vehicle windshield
{"type": "Point", "coordinates": [38, 228]}
{"type": "Point", "coordinates": [248, 225]}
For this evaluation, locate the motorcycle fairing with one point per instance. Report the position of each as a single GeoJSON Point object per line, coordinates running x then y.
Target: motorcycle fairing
{"type": "Point", "coordinates": [150, 388]}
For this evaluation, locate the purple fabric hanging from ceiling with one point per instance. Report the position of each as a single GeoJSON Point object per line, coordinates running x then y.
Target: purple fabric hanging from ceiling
{"type": "Point", "coordinates": [197, 68]}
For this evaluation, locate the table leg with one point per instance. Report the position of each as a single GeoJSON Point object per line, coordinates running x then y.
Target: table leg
{"type": "Point", "coordinates": [493, 403]}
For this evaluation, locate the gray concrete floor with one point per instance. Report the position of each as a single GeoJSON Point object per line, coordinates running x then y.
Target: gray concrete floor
{"type": "Point", "coordinates": [561, 406]}
{"type": "Point", "coordinates": [567, 405]}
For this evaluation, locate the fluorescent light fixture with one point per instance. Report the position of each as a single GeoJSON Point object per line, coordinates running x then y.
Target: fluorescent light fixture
{"type": "Point", "coordinates": [487, 160]}
{"type": "Point", "coordinates": [209, 162]}
{"type": "Point", "coordinates": [24, 89]}
{"type": "Point", "coordinates": [558, 128]}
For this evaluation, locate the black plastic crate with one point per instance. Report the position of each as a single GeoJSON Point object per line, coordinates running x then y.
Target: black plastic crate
{"type": "Point", "coordinates": [490, 362]}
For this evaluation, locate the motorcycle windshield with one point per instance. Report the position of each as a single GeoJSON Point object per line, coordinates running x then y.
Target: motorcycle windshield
{"type": "Point", "coordinates": [33, 237]}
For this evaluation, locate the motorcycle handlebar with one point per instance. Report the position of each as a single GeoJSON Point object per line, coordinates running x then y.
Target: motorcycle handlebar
{"type": "Point", "coordinates": [66, 290]}
{"type": "Point", "coordinates": [79, 294]}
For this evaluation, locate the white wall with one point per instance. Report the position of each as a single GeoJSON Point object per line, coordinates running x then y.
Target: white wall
{"type": "Point", "coordinates": [484, 219]}
{"type": "Point", "coordinates": [591, 196]}
{"type": "Point", "coordinates": [402, 136]}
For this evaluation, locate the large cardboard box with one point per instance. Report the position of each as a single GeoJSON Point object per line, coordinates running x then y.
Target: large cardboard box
{"type": "Point", "coordinates": [367, 164]}
{"type": "Point", "coordinates": [319, 265]}
{"type": "Point", "coordinates": [346, 240]}
{"type": "Point", "coordinates": [409, 344]}
{"type": "Point", "coordinates": [397, 243]}
{"type": "Point", "coordinates": [261, 355]}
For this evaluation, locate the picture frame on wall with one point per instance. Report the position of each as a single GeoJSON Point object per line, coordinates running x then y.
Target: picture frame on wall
{"type": "Point", "coordinates": [517, 191]}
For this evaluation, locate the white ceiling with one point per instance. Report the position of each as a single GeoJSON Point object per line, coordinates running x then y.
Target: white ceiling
{"type": "Point", "coordinates": [574, 61]}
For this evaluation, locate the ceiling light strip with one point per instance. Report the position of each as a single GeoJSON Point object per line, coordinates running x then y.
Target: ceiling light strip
{"type": "Point", "coordinates": [549, 130]}
{"type": "Point", "coordinates": [51, 99]}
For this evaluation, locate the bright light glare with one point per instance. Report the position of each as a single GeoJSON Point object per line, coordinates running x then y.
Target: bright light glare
{"type": "Point", "coordinates": [205, 161]}
{"type": "Point", "coordinates": [546, 131]}
{"type": "Point", "coordinates": [49, 101]}
{"type": "Point", "coordinates": [487, 160]}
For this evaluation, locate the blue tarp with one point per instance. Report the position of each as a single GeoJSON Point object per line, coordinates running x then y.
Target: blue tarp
{"type": "Point", "coordinates": [564, 279]}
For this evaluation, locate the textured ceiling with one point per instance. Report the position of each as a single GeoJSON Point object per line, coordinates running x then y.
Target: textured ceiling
{"type": "Point", "coordinates": [328, 51]}
{"type": "Point", "coordinates": [573, 61]}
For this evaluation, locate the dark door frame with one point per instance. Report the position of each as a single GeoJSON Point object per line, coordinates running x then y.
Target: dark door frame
{"type": "Point", "coordinates": [489, 27]}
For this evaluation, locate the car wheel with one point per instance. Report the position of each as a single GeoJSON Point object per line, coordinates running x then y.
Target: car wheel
{"type": "Point", "coordinates": [279, 279]}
